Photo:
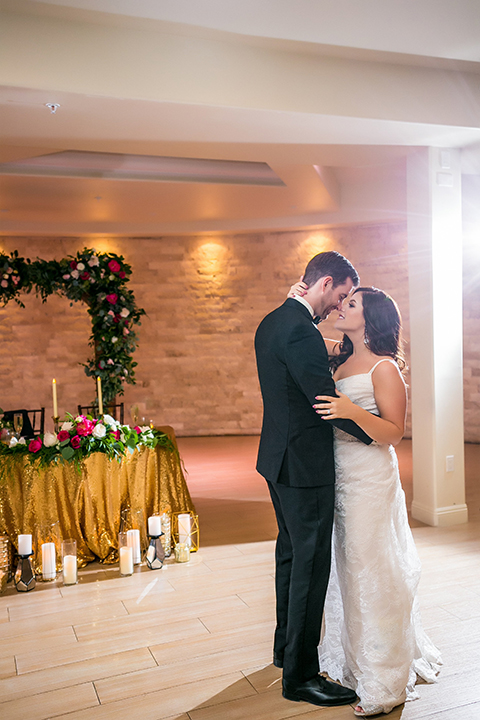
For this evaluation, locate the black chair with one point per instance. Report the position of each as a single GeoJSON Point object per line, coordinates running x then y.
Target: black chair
{"type": "Point", "coordinates": [33, 421]}
{"type": "Point", "coordinates": [112, 409]}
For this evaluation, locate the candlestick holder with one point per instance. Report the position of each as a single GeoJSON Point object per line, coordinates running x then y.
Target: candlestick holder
{"type": "Point", "coordinates": [155, 554]}
{"type": "Point", "coordinates": [56, 423]}
{"type": "Point", "coordinates": [24, 575]}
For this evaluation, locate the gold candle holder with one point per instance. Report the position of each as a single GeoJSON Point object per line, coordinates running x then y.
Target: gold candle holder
{"type": "Point", "coordinates": [56, 423]}
{"type": "Point", "coordinates": [181, 534]}
{"type": "Point", "coordinates": [6, 561]}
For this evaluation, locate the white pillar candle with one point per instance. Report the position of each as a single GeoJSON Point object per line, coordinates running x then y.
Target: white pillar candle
{"type": "Point", "coordinates": [184, 529]}
{"type": "Point", "coordinates": [154, 525]}
{"type": "Point", "coordinates": [133, 539]}
{"type": "Point", "coordinates": [48, 561]}
{"type": "Point", "coordinates": [24, 544]}
{"type": "Point", "coordinates": [54, 394]}
{"type": "Point", "coordinates": [126, 560]}
{"type": "Point", "coordinates": [99, 394]}
{"type": "Point", "coordinates": [69, 569]}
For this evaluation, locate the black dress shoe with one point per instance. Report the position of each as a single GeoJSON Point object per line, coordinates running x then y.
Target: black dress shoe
{"type": "Point", "coordinates": [318, 691]}
{"type": "Point", "coordinates": [278, 660]}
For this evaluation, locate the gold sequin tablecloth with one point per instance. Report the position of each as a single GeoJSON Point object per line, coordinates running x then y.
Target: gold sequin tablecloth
{"type": "Point", "coordinates": [87, 502]}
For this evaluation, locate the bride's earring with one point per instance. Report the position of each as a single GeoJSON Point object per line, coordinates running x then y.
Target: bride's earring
{"type": "Point", "coordinates": [365, 340]}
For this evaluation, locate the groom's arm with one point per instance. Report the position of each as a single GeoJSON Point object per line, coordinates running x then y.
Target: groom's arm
{"type": "Point", "coordinates": [307, 362]}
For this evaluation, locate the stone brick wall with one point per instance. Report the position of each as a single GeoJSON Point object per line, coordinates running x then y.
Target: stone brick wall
{"type": "Point", "coordinates": [204, 298]}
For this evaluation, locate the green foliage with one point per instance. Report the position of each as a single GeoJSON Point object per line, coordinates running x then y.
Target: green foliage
{"type": "Point", "coordinates": [100, 281]}
{"type": "Point", "coordinates": [81, 436]}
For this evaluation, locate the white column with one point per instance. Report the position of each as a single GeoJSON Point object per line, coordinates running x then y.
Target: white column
{"type": "Point", "coordinates": [436, 334]}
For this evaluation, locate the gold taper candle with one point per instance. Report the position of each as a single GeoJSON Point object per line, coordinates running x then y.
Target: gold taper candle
{"type": "Point", "coordinates": [54, 393]}
{"type": "Point", "coordinates": [99, 394]}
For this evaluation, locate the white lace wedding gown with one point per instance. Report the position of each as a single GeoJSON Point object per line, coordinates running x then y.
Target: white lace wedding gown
{"type": "Point", "coordinates": [373, 638]}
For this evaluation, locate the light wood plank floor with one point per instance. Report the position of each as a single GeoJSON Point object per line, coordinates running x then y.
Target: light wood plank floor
{"type": "Point", "coordinates": [194, 642]}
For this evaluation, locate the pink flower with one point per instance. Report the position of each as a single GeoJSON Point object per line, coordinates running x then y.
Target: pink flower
{"type": "Point", "coordinates": [4, 283]}
{"type": "Point", "coordinates": [110, 312]}
{"type": "Point", "coordinates": [121, 275]}
{"type": "Point", "coordinates": [112, 299]}
{"type": "Point", "coordinates": [63, 435]}
{"type": "Point", "coordinates": [137, 429]}
{"type": "Point", "coordinates": [116, 433]}
{"type": "Point", "coordinates": [126, 331]}
{"type": "Point", "coordinates": [75, 442]}
{"type": "Point", "coordinates": [110, 361]}
{"type": "Point", "coordinates": [85, 427]}
{"type": "Point", "coordinates": [85, 275]}
{"type": "Point", "coordinates": [114, 266]}
{"type": "Point", "coordinates": [16, 279]}
{"type": "Point", "coordinates": [73, 265]}
{"type": "Point", "coordinates": [35, 445]}
{"type": "Point", "coordinates": [67, 276]}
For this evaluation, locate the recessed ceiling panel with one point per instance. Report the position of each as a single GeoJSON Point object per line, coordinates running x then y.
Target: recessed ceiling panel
{"type": "Point", "coordinates": [117, 166]}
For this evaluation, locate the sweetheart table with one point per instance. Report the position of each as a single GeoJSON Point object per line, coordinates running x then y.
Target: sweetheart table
{"type": "Point", "coordinates": [87, 501]}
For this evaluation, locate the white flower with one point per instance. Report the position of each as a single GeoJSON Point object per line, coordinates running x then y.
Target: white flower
{"type": "Point", "coordinates": [114, 339]}
{"type": "Point", "coordinates": [111, 277]}
{"type": "Point", "coordinates": [79, 418]}
{"type": "Point", "coordinates": [75, 274]}
{"type": "Point", "coordinates": [122, 437]}
{"type": "Point", "coordinates": [124, 312]}
{"type": "Point", "coordinates": [13, 442]}
{"type": "Point", "coordinates": [50, 439]}
{"type": "Point", "coordinates": [67, 425]}
{"type": "Point", "coordinates": [80, 266]}
{"type": "Point", "coordinates": [144, 428]}
{"type": "Point", "coordinates": [22, 441]}
{"type": "Point", "coordinates": [5, 276]}
{"type": "Point", "coordinates": [99, 431]}
{"type": "Point", "coordinates": [94, 261]}
{"type": "Point", "coordinates": [108, 420]}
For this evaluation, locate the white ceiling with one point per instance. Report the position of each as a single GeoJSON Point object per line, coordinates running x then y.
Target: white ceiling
{"type": "Point", "coordinates": [331, 94]}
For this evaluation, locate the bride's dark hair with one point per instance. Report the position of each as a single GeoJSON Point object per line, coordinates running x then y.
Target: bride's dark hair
{"type": "Point", "coordinates": [383, 328]}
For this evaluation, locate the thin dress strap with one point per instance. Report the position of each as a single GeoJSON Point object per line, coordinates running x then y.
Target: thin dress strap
{"type": "Point", "coordinates": [391, 360]}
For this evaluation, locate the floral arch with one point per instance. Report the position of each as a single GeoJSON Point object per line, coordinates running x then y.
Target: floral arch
{"type": "Point", "coordinates": [100, 281]}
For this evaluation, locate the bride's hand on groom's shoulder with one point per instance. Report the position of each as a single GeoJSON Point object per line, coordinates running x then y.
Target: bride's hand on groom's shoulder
{"type": "Point", "coordinates": [300, 288]}
{"type": "Point", "coordinates": [333, 408]}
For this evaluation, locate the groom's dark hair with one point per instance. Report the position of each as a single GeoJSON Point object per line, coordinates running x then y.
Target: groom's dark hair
{"type": "Point", "coordinates": [333, 264]}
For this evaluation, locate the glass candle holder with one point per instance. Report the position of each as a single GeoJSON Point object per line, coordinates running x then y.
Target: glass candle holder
{"type": "Point", "coordinates": [167, 533]}
{"type": "Point", "coordinates": [182, 552]}
{"type": "Point", "coordinates": [155, 554]}
{"type": "Point", "coordinates": [69, 562]}
{"type": "Point", "coordinates": [49, 570]}
{"type": "Point", "coordinates": [125, 552]}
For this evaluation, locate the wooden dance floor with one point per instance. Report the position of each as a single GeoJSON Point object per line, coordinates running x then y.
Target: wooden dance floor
{"type": "Point", "coordinates": [194, 642]}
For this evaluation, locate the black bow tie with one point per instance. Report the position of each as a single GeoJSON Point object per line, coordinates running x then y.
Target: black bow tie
{"type": "Point", "coordinates": [317, 319]}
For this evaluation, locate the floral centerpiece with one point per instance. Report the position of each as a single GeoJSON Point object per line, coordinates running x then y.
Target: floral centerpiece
{"type": "Point", "coordinates": [100, 281]}
{"type": "Point", "coordinates": [83, 435]}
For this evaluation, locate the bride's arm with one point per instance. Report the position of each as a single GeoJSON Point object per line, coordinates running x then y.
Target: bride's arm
{"type": "Point", "coordinates": [391, 399]}
{"type": "Point", "coordinates": [300, 288]}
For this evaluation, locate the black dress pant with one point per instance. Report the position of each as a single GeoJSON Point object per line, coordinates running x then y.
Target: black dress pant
{"type": "Point", "coordinates": [303, 556]}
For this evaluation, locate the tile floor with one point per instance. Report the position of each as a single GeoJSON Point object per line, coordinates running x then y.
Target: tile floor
{"type": "Point", "coordinates": [194, 642]}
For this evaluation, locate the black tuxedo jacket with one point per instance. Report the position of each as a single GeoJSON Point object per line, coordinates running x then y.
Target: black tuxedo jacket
{"type": "Point", "coordinates": [293, 368]}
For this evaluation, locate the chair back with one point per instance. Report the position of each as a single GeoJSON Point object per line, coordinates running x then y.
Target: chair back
{"type": "Point", "coordinates": [33, 421]}
{"type": "Point", "coordinates": [112, 409]}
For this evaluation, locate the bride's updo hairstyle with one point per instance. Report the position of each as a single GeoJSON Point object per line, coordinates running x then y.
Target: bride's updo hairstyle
{"type": "Point", "coordinates": [383, 328]}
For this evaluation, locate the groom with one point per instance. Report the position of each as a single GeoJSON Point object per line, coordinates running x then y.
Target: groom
{"type": "Point", "coordinates": [296, 458]}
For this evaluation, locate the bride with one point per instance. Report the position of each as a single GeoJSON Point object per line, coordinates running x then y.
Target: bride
{"type": "Point", "coordinates": [373, 640]}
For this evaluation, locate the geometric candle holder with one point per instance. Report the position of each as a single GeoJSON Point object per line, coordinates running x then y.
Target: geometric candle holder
{"type": "Point", "coordinates": [155, 554]}
{"type": "Point", "coordinates": [186, 530]}
{"type": "Point", "coordinates": [24, 575]}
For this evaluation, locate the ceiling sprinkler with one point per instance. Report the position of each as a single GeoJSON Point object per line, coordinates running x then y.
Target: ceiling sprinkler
{"type": "Point", "coordinates": [53, 107]}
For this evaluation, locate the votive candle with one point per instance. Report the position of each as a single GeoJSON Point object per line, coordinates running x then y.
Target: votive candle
{"type": "Point", "coordinates": [48, 561]}
{"type": "Point", "coordinates": [154, 525]}
{"type": "Point", "coordinates": [24, 544]}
